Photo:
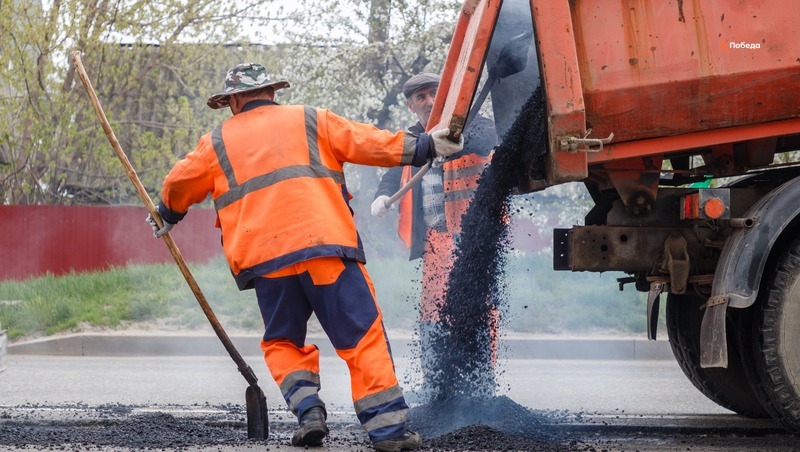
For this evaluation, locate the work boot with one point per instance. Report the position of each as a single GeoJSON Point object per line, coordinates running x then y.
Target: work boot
{"type": "Point", "coordinates": [409, 441]}
{"type": "Point", "coordinates": [312, 429]}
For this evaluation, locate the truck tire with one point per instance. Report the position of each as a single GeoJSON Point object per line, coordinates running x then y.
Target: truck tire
{"type": "Point", "coordinates": [775, 348]}
{"type": "Point", "coordinates": [727, 387]}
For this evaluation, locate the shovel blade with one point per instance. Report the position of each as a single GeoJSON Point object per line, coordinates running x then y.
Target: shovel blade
{"type": "Point", "coordinates": [257, 420]}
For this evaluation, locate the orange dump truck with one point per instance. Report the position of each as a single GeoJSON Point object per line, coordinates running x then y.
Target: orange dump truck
{"type": "Point", "coordinates": [682, 120]}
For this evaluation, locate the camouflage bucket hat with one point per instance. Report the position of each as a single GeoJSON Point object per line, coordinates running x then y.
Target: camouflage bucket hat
{"type": "Point", "coordinates": [241, 78]}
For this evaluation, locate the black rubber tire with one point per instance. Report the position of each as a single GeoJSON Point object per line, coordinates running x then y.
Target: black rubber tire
{"type": "Point", "coordinates": [775, 348]}
{"type": "Point", "coordinates": [728, 387]}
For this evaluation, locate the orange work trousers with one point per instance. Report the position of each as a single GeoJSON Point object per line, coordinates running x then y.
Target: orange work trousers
{"type": "Point", "coordinates": [341, 295]}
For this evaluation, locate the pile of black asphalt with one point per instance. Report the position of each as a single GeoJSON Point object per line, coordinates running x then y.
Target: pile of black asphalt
{"type": "Point", "coordinates": [205, 427]}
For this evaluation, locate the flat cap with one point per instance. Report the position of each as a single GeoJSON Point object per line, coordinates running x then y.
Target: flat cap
{"type": "Point", "coordinates": [419, 81]}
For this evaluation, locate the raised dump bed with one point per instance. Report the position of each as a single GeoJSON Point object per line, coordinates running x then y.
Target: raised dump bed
{"type": "Point", "coordinates": [667, 76]}
{"type": "Point", "coordinates": [682, 120]}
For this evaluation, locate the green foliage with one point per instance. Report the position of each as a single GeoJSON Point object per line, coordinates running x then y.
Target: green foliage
{"type": "Point", "coordinates": [152, 64]}
{"type": "Point", "coordinates": [353, 57]}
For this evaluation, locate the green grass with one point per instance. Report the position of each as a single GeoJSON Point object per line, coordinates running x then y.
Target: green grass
{"type": "Point", "coordinates": [536, 299]}
{"type": "Point", "coordinates": [108, 299]}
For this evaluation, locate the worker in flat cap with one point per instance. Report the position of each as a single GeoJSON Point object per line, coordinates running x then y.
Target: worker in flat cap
{"type": "Point", "coordinates": [275, 175]}
{"type": "Point", "coordinates": [429, 216]}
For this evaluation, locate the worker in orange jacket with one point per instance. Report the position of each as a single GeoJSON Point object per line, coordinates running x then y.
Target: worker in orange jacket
{"type": "Point", "coordinates": [429, 219]}
{"type": "Point", "coordinates": [275, 175]}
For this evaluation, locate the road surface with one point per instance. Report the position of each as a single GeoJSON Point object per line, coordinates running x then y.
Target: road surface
{"type": "Point", "coordinates": [54, 401]}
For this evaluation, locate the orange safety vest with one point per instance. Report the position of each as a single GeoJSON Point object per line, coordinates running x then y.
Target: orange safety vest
{"type": "Point", "coordinates": [461, 177]}
{"type": "Point", "coordinates": [275, 175]}
{"type": "Point", "coordinates": [405, 211]}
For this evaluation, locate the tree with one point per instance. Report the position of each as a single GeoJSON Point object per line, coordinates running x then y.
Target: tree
{"type": "Point", "coordinates": [354, 57]}
{"type": "Point", "coordinates": [52, 150]}
{"type": "Point", "coordinates": [154, 64]}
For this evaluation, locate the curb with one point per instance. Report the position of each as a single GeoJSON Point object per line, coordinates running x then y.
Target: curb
{"type": "Point", "coordinates": [166, 345]}
{"type": "Point", "coordinates": [3, 349]}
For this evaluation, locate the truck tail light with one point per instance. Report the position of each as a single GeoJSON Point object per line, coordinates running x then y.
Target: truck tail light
{"type": "Point", "coordinates": [714, 208]}
{"type": "Point", "coordinates": [706, 204]}
{"type": "Point", "coordinates": [690, 207]}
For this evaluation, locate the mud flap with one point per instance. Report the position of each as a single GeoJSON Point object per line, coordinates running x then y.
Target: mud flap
{"type": "Point", "coordinates": [653, 302]}
{"type": "Point", "coordinates": [713, 334]}
{"type": "Point", "coordinates": [677, 256]}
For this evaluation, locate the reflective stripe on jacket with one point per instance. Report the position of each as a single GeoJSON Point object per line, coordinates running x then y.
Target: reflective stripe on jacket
{"type": "Point", "coordinates": [275, 176]}
{"type": "Point", "coordinates": [461, 177]}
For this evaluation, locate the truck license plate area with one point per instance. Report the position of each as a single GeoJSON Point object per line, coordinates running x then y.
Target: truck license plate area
{"type": "Point", "coordinates": [627, 249]}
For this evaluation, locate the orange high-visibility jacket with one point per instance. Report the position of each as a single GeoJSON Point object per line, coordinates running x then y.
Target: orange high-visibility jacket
{"type": "Point", "coordinates": [275, 176]}
{"type": "Point", "coordinates": [461, 174]}
{"type": "Point", "coordinates": [460, 178]}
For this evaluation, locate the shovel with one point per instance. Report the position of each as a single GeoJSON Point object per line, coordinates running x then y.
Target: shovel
{"type": "Point", "coordinates": [257, 420]}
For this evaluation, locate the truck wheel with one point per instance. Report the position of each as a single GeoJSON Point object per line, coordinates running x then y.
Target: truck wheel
{"type": "Point", "coordinates": [775, 347]}
{"type": "Point", "coordinates": [727, 387]}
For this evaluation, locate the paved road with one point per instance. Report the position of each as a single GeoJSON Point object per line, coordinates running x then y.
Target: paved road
{"type": "Point", "coordinates": [651, 387]}
{"type": "Point", "coordinates": [610, 404]}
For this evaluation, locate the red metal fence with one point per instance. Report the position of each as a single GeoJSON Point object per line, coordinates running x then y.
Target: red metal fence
{"type": "Point", "coordinates": [35, 240]}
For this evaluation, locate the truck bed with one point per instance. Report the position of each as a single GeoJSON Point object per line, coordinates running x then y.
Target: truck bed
{"type": "Point", "coordinates": [646, 70]}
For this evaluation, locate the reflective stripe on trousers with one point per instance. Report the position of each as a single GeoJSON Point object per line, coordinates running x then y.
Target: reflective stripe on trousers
{"type": "Point", "coordinates": [383, 414]}
{"type": "Point", "coordinates": [300, 389]}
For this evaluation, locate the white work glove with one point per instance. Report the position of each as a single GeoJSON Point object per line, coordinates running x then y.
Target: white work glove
{"type": "Point", "coordinates": [158, 232]}
{"type": "Point", "coordinates": [379, 209]}
{"type": "Point", "coordinates": [443, 146]}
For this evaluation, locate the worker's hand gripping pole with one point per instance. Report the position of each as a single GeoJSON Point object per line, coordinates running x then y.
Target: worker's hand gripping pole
{"type": "Point", "coordinates": [413, 181]}
{"type": "Point", "coordinates": [256, 402]}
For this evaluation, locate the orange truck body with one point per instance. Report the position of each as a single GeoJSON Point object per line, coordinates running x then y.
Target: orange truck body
{"type": "Point", "coordinates": [644, 100]}
{"type": "Point", "coordinates": [647, 70]}
{"type": "Point", "coordinates": [662, 76]}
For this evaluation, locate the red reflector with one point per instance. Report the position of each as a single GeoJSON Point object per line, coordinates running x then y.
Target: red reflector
{"type": "Point", "coordinates": [691, 206]}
